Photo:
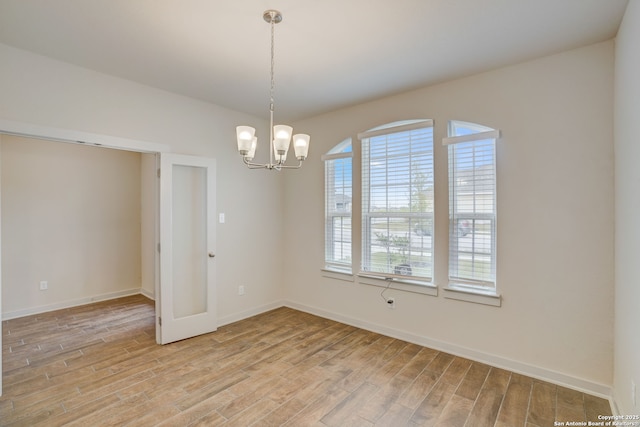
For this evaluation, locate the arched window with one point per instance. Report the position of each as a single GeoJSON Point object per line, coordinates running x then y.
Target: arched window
{"type": "Point", "coordinates": [338, 190]}
{"type": "Point", "coordinates": [472, 205]}
{"type": "Point", "coordinates": [397, 200]}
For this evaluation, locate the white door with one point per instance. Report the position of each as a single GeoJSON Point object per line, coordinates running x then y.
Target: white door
{"type": "Point", "coordinates": [186, 298]}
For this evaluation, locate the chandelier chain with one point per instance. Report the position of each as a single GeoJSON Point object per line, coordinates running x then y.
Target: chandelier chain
{"type": "Point", "coordinates": [273, 84]}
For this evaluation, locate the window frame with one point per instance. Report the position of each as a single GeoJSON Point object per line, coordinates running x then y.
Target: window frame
{"type": "Point", "coordinates": [399, 274]}
{"type": "Point", "coordinates": [337, 153]}
{"type": "Point", "coordinates": [354, 272]}
{"type": "Point", "coordinates": [486, 291]}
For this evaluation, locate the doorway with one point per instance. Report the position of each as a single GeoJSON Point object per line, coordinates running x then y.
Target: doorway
{"type": "Point", "coordinates": [72, 224]}
{"type": "Point", "coordinates": [161, 210]}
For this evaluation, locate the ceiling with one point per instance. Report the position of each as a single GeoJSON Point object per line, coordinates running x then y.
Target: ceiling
{"type": "Point", "coordinates": [329, 53]}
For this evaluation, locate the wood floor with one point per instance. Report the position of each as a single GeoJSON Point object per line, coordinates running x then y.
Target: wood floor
{"type": "Point", "coordinates": [98, 365]}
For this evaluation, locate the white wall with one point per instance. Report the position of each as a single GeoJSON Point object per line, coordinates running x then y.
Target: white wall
{"type": "Point", "coordinates": [627, 178]}
{"type": "Point", "coordinates": [71, 217]}
{"type": "Point", "coordinates": [46, 92]}
{"type": "Point", "coordinates": [555, 216]}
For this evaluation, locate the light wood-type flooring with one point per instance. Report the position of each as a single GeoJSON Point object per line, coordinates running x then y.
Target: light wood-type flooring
{"type": "Point", "coordinates": [99, 365]}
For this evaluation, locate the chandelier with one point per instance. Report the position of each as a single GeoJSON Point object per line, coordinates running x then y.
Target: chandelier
{"type": "Point", "coordinates": [279, 135]}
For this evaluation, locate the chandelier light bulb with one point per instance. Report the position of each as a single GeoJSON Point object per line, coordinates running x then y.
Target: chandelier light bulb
{"type": "Point", "coordinates": [301, 145]}
{"type": "Point", "coordinates": [245, 135]}
{"type": "Point", "coordinates": [252, 151]}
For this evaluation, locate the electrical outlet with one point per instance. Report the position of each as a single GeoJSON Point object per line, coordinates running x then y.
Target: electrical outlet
{"type": "Point", "coordinates": [44, 285]}
{"type": "Point", "coordinates": [240, 290]}
{"type": "Point", "coordinates": [391, 303]}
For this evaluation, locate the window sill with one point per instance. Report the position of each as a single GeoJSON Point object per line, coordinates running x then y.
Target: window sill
{"type": "Point", "coordinates": [417, 287]}
{"type": "Point", "coordinates": [463, 293]}
{"type": "Point", "coordinates": [338, 275]}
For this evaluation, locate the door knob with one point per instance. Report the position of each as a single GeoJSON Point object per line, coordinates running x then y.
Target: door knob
{"type": "Point", "coordinates": [212, 255]}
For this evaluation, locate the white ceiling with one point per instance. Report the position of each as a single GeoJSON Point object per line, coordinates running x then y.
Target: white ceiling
{"type": "Point", "coordinates": [329, 53]}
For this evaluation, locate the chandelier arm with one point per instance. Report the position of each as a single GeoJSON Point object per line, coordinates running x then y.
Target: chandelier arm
{"type": "Point", "coordinates": [252, 165]}
{"type": "Point", "coordinates": [258, 166]}
{"type": "Point", "coordinates": [298, 166]}
{"type": "Point", "coordinates": [276, 166]}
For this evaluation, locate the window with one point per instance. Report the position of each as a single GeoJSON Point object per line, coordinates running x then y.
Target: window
{"type": "Point", "coordinates": [338, 201]}
{"type": "Point", "coordinates": [396, 218]}
{"type": "Point", "coordinates": [472, 205]}
{"type": "Point", "coordinates": [397, 200]}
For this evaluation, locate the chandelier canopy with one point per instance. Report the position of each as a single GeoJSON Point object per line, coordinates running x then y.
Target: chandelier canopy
{"type": "Point", "coordinates": [279, 135]}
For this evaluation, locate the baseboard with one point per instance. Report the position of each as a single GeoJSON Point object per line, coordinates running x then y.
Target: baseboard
{"type": "Point", "coordinates": [148, 294]}
{"type": "Point", "coordinates": [68, 304]}
{"type": "Point", "coordinates": [249, 313]}
{"type": "Point", "coordinates": [615, 409]}
{"type": "Point", "coordinates": [551, 376]}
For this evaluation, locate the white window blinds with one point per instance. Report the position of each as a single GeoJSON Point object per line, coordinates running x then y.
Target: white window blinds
{"type": "Point", "coordinates": [397, 200]}
{"type": "Point", "coordinates": [472, 204]}
{"type": "Point", "coordinates": [338, 192]}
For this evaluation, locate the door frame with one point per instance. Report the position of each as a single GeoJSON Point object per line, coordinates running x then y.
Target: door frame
{"type": "Point", "coordinates": [30, 130]}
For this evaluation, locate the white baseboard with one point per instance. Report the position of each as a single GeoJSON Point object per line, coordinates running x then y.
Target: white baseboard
{"type": "Point", "coordinates": [148, 294]}
{"type": "Point", "coordinates": [548, 375]}
{"type": "Point", "coordinates": [249, 313]}
{"type": "Point", "coordinates": [68, 304]}
{"type": "Point", "coordinates": [615, 409]}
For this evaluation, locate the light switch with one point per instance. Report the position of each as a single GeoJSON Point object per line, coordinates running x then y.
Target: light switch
{"type": "Point", "coordinates": [221, 218]}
